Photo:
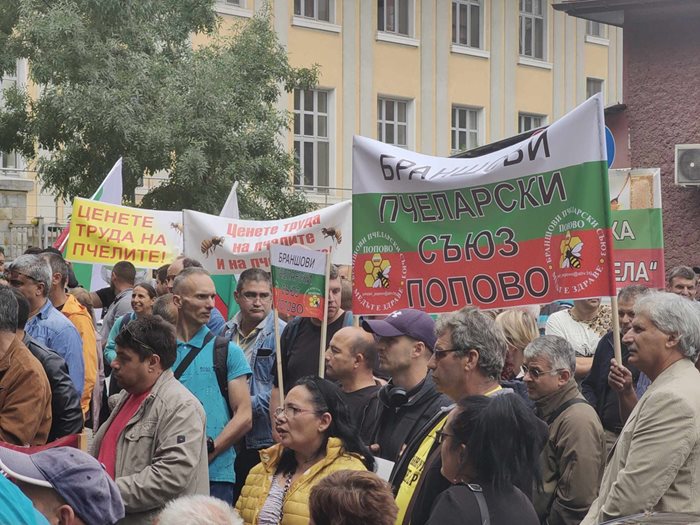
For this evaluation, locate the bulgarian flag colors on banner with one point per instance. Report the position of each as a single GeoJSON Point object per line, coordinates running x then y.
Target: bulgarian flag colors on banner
{"type": "Point", "coordinates": [527, 224]}
{"type": "Point", "coordinates": [298, 280]}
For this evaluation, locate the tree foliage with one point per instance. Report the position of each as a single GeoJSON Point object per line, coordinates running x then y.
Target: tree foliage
{"type": "Point", "coordinates": [120, 78]}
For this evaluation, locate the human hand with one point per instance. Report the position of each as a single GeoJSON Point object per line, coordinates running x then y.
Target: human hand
{"type": "Point", "coordinates": [619, 377]}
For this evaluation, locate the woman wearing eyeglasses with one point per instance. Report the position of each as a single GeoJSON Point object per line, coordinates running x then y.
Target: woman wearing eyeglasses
{"type": "Point", "coordinates": [486, 445]}
{"type": "Point", "coordinates": [316, 439]}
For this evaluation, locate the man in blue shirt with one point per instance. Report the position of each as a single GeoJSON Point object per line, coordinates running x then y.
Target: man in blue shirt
{"type": "Point", "coordinates": [193, 295]}
{"type": "Point", "coordinates": [31, 275]}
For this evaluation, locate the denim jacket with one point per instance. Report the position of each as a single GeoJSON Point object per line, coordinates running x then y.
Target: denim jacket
{"type": "Point", "coordinates": [262, 361]}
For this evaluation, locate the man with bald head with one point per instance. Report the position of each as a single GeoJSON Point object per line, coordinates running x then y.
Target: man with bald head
{"type": "Point", "coordinates": [350, 360]}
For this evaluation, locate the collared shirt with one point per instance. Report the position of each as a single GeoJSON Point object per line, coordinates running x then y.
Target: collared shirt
{"type": "Point", "coordinates": [246, 342]}
{"type": "Point", "coordinates": [200, 379]}
{"type": "Point", "coordinates": [53, 329]}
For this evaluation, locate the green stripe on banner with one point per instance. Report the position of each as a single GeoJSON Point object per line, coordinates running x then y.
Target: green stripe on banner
{"type": "Point", "coordinates": [414, 211]}
{"type": "Point", "coordinates": [638, 229]}
{"type": "Point", "coordinates": [297, 282]}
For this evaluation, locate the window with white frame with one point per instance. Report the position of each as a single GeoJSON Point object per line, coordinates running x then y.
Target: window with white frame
{"type": "Point", "coordinates": [596, 29]}
{"type": "Point", "coordinates": [234, 3]}
{"type": "Point", "coordinates": [311, 138]}
{"type": "Point", "coordinates": [8, 160]}
{"type": "Point", "coordinates": [465, 128]}
{"type": "Point", "coordinates": [392, 121]}
{"type": "Point", "coordinates": [394, 16]}
{"type": "Point", "coordinates": [532, 28]}
{"type": "Point", "coordinates": [593, 86]}
{"type": "Point", "coordinates": [466, 22]}
{"type": "Point", "coordinates": [315, 9]}
{"type": "Point", "coordinates": [527, 121]}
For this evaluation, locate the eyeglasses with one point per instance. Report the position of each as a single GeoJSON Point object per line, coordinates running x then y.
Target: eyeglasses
{"type": "Point", "coordinates": [138, 341]}
{"type": "Point", "coordinates": [16, 283]}
{"type": "Point", "coordinates": [440, 436]}
{"type": "Point", "coordinates": [440, 353]}
{"type": "Point", "coordinates": [536, 373]}
{"type": "Point", "coordinates": [291, 412]}
{"type": "Point", "coordinates": [252, 296]}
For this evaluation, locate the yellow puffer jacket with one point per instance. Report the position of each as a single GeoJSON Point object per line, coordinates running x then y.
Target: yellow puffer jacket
{"type": "Point", "coordinates": [295, 510]}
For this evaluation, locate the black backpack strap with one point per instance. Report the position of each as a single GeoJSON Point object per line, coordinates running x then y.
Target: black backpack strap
{"type": "Point", "coordinates": [558, 412]}
{"type": "Point", "coordinates": [125, 320]}
{"type": "Point", "coordinates": [221, 368]}
{"type": "Point", "coordinates": [194, 352]}
{"type": "Point", "coordinates": [481, 501]}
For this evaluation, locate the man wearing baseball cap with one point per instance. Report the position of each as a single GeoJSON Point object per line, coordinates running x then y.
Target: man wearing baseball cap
{"type": "Point", "coordinates": [405, 341]}
{"type": "Point", "coordinates": [65, 484]}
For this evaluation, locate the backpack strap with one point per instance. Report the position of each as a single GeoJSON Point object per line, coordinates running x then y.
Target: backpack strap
{"type": "Point", "coordinates": [125, 320]}
{"type": "Point", "coordinates": [558, 412]}
{"type": "Point", "coordinates": [481, 501]}
{"type": "Point", "coordinates": [194, 352]}
{"type": "Point", "coordinates": [221, 368]}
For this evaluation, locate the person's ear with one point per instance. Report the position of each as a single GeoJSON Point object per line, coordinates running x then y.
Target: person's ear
{"type": "Point", "coordinates": [564, 376]}
{"type": "Point", "coordinates": [177, 301]}
{"type": "Point", "coordinates": [153, 362]}
{"type": "Point", "coordinates": [326, 420]}
{"type": "Point", "coordinates": [66, 515]}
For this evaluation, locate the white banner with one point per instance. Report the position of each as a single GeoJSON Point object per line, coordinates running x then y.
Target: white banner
{"type": "Point", "coordinates": [229, 246]}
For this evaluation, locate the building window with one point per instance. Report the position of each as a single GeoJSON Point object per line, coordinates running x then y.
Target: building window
{"type": "Point", "coordinates": [526, 122]}
{"type": "Point", "coordinates": [316, 9]}
{"type": "Point", "coordinates": [465, 128]}
{"type": "Point", "coordinates": [8, 160]}
{"type": "Point", "coordinates": [596, 29]}
{"type": "Point", "coordinates": [392, 121]}
{"type": "Point", "coordinates": [532, 29]}
{"type": "Point", "coordinates": [593, 86]}
{"type": "Point", "coordinates": [466, 23]}
{"type": "Point", "coordinates": [235, 3]}
{"type": "Point", "coordinates": [311, 142]}
{"type": "Point", "coordinates": [394, 16]}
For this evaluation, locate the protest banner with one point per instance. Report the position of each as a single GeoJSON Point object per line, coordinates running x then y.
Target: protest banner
{"type": "Point", "coordinates": [300, 288]}
{"type": "Point", "coordinates": [230, 246]}
{"type": "Point", "coordinates": [105, 233]}
{"type": "Point", "coordinates": [635, 200]}
{"type": "Point", "coordinates": [527, 224]}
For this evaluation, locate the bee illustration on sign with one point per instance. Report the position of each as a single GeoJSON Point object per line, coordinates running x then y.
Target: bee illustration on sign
{"type": "Point", "coordinates": [571, 248]}
{"type": "Point", "coordinates": [177, 227]}
{"type": "Point", "coordinates": [334, 233]}
{"type": "Point", "coordinates": [209, 245]}
{"type": "Point", "coordinates": [382, 278]}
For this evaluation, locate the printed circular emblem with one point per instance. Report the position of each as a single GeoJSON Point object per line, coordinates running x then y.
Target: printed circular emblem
{"type": "Point", "coordinates": [575, 250]}
{"type": "Point", "coordinates": [380, 284]}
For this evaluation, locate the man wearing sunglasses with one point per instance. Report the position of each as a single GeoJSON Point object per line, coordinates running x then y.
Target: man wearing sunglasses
{"type": "Point", "coordinates": [31, 275]}
{"type": "Point", "coordinates": [573, 460]}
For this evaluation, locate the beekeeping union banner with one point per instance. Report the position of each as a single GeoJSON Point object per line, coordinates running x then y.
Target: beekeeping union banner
{"type": "Point", "coordinates": [529, 223]}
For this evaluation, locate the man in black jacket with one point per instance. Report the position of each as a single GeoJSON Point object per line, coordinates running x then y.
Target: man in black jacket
{"type": "Point", "coordinates": [67, 416]}
{"type": "Point", "coordinates": [595, 386]}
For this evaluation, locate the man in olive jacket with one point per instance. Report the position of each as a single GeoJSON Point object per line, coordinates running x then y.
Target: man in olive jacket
{"type": "Point", "coordinates": [153, 443]}
{"type": "Point", "coordinates": [573, 458]}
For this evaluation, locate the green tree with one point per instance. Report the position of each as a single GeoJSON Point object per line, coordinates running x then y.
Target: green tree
{"type": "Point", "coordinates": [120, 78]}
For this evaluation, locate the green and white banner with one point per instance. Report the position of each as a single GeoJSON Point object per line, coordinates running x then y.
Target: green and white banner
{"type": "Point", "coordinates": [527, 224]}
{"type": "Point", "coordinates": [298, 280]}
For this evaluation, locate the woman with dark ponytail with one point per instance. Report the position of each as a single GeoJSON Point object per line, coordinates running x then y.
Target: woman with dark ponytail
{"type": "Point", "coordinates": [316, 439]}
{"type": "Point", "coordinates": [487, 445]}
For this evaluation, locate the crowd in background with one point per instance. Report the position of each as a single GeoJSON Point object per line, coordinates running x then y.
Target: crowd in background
{"type": "Point", "coordinates": [522, 415]}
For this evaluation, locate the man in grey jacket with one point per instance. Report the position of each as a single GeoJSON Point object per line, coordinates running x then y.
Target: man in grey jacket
{"type": "Point", "coordinates": [154, 442]}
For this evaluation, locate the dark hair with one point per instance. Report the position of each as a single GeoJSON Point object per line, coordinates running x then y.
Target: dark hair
{"type": "Point", "coordinates": [8, 310]}
{"type": "Point", "coordinates": [53, 250]}
{"type": "Point", "coordinates": [161, 274]}
{"type": "Point", "coordinates": [502, 439]}
{"type": "Point", "coordinates": [631, 292]}
{"type": "Point", "coordinates": [327, 397]}
{"type": "Point", "coordinates": [352, 497]}
{"type": "Point", "coordinates": [32, 250]}
{"type": "Point", "coordinates": [147, 286]}
{"type": "Point", "coordinates": [149, 335]}
{"type": "Point", "coordinates": [253, 274]}
{"type": "Point", "coordinates": [188, 262]}
{"type": "Point", "coordinates": [2, 250]}
{"type": "Point", "coordinates": [125, 272]}
{"type": "Point", "coordinates": [58, 265]}
{"type": "Point", "coordinates": [333, 274]}
{"type": "Point", "coordinates": [22, 309]}
{"type": "Point", "coordinates": [165, 307]}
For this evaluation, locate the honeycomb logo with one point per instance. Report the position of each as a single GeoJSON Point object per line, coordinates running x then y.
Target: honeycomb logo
{"type": "Point", "coordinates": [377, 272]}
{"type": "Point", "coordinates": [314, 301]}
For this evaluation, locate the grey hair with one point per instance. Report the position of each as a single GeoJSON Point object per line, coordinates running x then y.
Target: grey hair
{"type": "Point", "coordinates": [34, 266]}
{"type": "Point", "coordinates": [673, 315]}
{"type": "Point", "coordinates": [557, 350]}
{"type": "Point", "coordinates": [199, 510]}
{"type": "Point", "coordinates": [684, 272]}
{"type": "Point", "coordinates": [631, 292]}
{"type": "Point", "coordinates": [472, 329]}
{"type": "Point", "coordinates": [8, 310]}
{"type": "Point", "coordinates": [186, 274]}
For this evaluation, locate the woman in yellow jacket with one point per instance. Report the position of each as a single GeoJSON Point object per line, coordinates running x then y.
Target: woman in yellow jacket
{"type": "Point", "coordinates": [316, 439]}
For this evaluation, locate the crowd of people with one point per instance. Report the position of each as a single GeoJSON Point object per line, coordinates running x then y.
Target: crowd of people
{"type": "Point", "coordinates": [518, 416]}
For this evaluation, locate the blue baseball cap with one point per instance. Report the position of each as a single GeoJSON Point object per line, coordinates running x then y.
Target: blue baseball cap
{"type": "Point", "coordinates": [415, 324]}
{"type": "Point", "coordinates": [76, 476]}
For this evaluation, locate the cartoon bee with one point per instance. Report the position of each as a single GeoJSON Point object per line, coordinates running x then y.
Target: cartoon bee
{"type": "Point", "coordinates": [209, 245]}
{"type": "Point", "coordinates": [382, 278]}
{"type": "Point", "coordinates": [176, 226]}
{"type": "Point", "coordinates": [333, 233]}
{"type": "Point", "coordinates": [571, 251]}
